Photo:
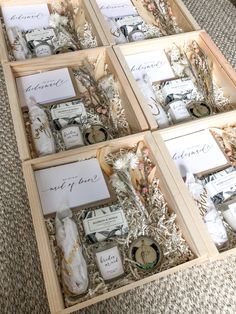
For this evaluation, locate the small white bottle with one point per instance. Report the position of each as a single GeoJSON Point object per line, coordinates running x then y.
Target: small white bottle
{"type": "Point", "coordinates": [42, 135]}
{"type": "Point", "coordinates": [150, 97]}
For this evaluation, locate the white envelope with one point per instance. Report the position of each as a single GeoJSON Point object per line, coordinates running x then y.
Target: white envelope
{"type": "Point", "coordinates": [26, 17]}
{"type": "Point", "coordinates": [46, 87]}
{"type": "Point", "coordinates": [72, 185]}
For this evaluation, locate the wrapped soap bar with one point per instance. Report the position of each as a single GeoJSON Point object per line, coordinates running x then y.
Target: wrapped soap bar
{"type": "Point", "coordinates": [101, 224]}
{"type": "Point", "coordinates": [39, 35]}
{"type": "Point", "coordinates": [73, 265]}
{"type": "Point", "coordinates": [182, 88]}
{"type": "Point", "coordinates": [68, 113]}
{"type": "Point", "coordinates": [41, 132]}
{"type": "Point", "coordinates": [222, 187]}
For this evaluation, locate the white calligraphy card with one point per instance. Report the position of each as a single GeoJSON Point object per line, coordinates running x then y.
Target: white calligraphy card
{"type": "Point", "coordinates": [196, 153]}
{"type": "Point", "coordinates": [26, 17]}
{"type": "Point", "coordinates": [46, 87]}
{"type": "Point", "coordinates": [154, 63]}
{"type": "Point", "coordinates": [75, 184]}
{"type": "Point", "coordinates": [116, 8]}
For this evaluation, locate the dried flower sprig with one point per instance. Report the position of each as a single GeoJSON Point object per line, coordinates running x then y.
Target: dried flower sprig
{"type": "Point", "coordinates": [226, 137]}
{"type": "Point", "coordinates": [162, 12]}
{"type": "Point", "coordinates": [201, 66]}
{"type": "Point", "coordinates": [77, 25]}
{"type": "Point", "coordinates": [102, 98]}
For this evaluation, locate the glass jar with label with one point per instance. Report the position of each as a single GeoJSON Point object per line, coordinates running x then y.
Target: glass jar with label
{"type": "Point", "coordinates": [136, 35]}
{"type": "Point", "coordinates": [43, 49]}
{"type": "Point", "coordinates": [228, 210]}
{"type": "Point", "coordinates": [178, 111]}
{"type": "Point", "coordinates": [109, 262]}
{"type": "Point", "coordinates": [72, 136]}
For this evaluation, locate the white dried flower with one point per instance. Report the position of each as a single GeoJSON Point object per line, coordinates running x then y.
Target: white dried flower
{"type": "Point", "coordinates": [56, 20]}
{"type": "Point", "coordinates": [195, 188]}
{"type": "Point", "coordinates": [120, 164]}
{"type": "Point", "coordinates": [133, 161]}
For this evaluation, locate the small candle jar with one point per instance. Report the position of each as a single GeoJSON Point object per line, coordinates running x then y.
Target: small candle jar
{"type": "Point", "coordinates": [72, 136]}
{"type": "Point", "coordinates": [136, 35]}
{"type": "Point", "coordinates": [228, 210]}
{"type": "Point", "coordinates": [43, 50]}
{"type": "Point", "coordinates": [109, 262]}
{"type": "Point", "coordinates": [178, 111]}
{"type": "Point", "coordinates": [146, 253]}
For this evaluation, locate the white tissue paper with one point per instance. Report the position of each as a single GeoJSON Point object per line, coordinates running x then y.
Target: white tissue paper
{"type": "Point", "coordinates": [212, 218]}
{"type": "Point", "coordinates": [74, 268]}
{"type": "Point", "coordinates": [41, 132]}
{"type": "Point", "coordinates": [158, 112]}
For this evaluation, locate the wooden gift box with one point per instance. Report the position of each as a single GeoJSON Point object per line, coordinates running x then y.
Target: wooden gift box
{"type": "Point", "coordinates": [133, 112]}
{"type": "Point", "coordinates": [183, 17]}
{"type": "Point", "coordinates": [89, 15]}
{"type": "Point", "coordinates": [170, 190]}
{"type": "Point", "coordinates": [221, 120]}
{"type": "Point", "coordinates": [223, 73]}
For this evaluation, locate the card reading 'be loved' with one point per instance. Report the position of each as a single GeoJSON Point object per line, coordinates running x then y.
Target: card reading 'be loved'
{"type": "Point", "coordinates": [154, 63]}
{"type": "Point", "coordinates": [75, 184]}
{"type": "Point", "coordinates": [116, 8]}
{"type": "Point", "coordinates": [26, 17]}
{"type": "Point", "coordinates": [46, 87]}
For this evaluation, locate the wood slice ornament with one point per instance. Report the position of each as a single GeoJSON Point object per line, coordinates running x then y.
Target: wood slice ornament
{"type": "Point", "coordinates": [95, 134]}
{"type": "Point", "coordinates": [146, 253]}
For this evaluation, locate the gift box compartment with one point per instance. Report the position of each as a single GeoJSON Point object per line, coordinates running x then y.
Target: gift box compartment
{"type": "Point", "coordinates": [89, 15]}
{"type": "Point", "coordinates": [223, 73]}
{"type": "Point", "coordinates": [133, 112]}
{"type": "Point", "coordinates": [168, 187]}
{"type": "Point", "coordinates": [183, 17]}
{"type": "Point", "coordinates": [160, 136]}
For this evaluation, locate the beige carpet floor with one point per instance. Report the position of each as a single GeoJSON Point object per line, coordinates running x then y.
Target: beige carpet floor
{"type": "Point", "coordinates": [209, 288]}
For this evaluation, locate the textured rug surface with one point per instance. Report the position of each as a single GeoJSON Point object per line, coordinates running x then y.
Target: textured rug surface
{"type": "Point", "coordinates": [209, 288]}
